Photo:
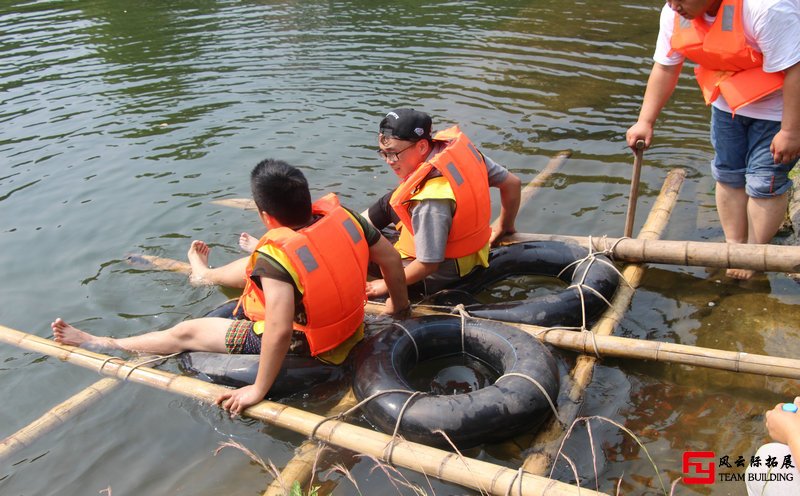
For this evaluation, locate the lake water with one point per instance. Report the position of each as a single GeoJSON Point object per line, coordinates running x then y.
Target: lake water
{"type": "Point", "coordinates": [122, 121]}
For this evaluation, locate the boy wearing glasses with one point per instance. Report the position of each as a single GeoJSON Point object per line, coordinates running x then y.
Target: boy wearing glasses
{"type": "Point", "coordinates": [442, 206]}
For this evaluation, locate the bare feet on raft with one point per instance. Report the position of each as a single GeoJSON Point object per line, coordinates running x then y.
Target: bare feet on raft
{"type": "Point", "coordinates": [198, 259]}
{"type": "Point", "coordinates": [742, 274]}
{"type": "Point", "coordinates": [247, 243]}
{"type": "Point", "coordinates": [67, 334]}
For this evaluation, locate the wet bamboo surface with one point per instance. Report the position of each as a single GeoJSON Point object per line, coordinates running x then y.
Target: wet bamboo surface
{"type": "Point", "coordinates": [763, 258]}
{"type": "Point", "coordinates": [545, 443]}
{"type": "Point", "coordinates": [444, 465]}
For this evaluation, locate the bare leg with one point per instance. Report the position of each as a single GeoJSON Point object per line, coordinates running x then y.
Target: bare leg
{"type": "Point", "coordinates": [247, 243]}
{"type": "Point", "coordinates": [765, 216]}
{"type": "Point", "coordinates": [749, 220]}
{"type": "Point", "coordinates": [231, 275]}
{"type": "Point", "coordinates": [732, 209]}
{"type": "Point", "coordinates": [207, 334]}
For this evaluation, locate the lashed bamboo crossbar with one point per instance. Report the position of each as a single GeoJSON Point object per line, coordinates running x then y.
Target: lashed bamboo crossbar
{"type": "Point", "coordinates": [642, 349]}
{"type": "Point", "coordinates": [764, 258]}
{"type": "Point", "coordinates": [468, 472]}
{"type": "Point", "coordinates": [545, 442]}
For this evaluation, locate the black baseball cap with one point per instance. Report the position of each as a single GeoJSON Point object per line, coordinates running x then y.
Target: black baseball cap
{"type": "Point", "coordinates": [406, 124]}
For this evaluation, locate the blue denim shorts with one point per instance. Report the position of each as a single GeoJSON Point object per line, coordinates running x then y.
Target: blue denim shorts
{"type": "Point", "coordinates": [742, 158]}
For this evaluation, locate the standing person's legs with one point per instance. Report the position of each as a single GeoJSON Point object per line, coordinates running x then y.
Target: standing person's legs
{"type": "Point", "coordinates": [751, 191]}
{"type": "Point", "coordinates": [729, 166]}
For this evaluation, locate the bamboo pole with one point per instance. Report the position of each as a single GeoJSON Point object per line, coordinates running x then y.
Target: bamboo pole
{"type": "Point", "coordinates": [58, 415]}
{"type": "Point", "coordinates": [642, 349]}
{"type": "Point", "coordinates": [241, 203]}
{"type": "Point", "coordinates": [546, 441]}
{"type": "Point", "coordinates": [301, 467]}
{"type": "Point", "coordinates": [450, 467]}
{"type": "Point", "coordinates": [764, 258]}
{"type": "Point", "coordinates": [533, 187]}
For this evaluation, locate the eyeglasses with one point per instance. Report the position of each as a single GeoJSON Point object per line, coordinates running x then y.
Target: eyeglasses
{"type": "Point", "coordinates": [394, 156]}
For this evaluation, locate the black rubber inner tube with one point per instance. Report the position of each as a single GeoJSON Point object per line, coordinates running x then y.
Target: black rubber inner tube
{"type": "Point", "coordinates": [595, 279]}
{"type": "Point", "coordinates": [510, 406]}
{"type": "Point", "coordinates": [297, 373]}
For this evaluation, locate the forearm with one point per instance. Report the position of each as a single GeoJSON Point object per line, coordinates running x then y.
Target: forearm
{"type": "Point", "coordinates": [794, 447]}
{"type": "Point", "coordinates": [417, 271]}
{"type": "Point", "coordinates": [791, 100]}
{"type": "Point", "coordinates": [510, 194]}
{"type": "Point", "coordinates": [274, 346]}
{"type": "Point", "coordinates": [391, 266]}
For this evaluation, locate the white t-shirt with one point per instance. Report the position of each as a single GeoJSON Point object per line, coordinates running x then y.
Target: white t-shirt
{"type": "Point", "coordinates": [770, 26]}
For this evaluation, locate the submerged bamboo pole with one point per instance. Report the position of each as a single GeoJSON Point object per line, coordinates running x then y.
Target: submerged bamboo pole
{"type": "Point", "coordinates": [241, 203]}
{"type": "Point", "coordinates": [763, 258]}
{"type": "Point", "coordinates": [533, 187]}
{"type": "Point", "coordinates": [58, 415]}
{"type": "Point", "coordinates": [301, 467]}
{"type": "Point", "coordinates": [475, 474]}
{"type": "Point", "coordinates": [545, 443]}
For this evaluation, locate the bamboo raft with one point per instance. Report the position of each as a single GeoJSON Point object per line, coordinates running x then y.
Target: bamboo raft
{"type": "Point", "coordinates": [469, 473]}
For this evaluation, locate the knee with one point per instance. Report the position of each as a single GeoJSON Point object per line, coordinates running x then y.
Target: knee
{"type": "Point", "coordinates": [185, 331]}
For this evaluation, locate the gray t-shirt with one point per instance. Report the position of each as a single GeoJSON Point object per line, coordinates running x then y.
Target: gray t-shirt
{"type": "Point", "coordinates": [432, 219]}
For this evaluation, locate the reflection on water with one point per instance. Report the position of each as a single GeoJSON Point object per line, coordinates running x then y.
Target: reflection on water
{"type": "Point", "coordinates": [121, 122]}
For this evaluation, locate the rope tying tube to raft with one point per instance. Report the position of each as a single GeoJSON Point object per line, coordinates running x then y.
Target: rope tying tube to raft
{"type": "Point", "coordinates": [517, 476]}
{"type": "Point", "coordinates": [538, 385]}
{"type": "Point", "coordinates": [464, 315]}
{"type": "Point", "coordinates": [482, 413]}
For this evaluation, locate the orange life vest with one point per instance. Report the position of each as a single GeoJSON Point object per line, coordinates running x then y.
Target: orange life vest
{"type": "Point", "coordinates": [464, 168]}
{"type": "Point", "coordinates": [329, 258]}
{"type": "Point", "coordinates": [726, 64]}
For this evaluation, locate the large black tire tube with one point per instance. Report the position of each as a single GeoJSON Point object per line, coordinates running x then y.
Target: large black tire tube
{"type": "Point", "coordinates": [508, 407]}
{"type": "Point", "coordinates": [297, 374]}
{"type": "Point", "coordinates": [545, 258]}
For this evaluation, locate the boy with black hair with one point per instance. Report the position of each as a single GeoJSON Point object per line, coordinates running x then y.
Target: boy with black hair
{"type": "Point", "coordinates": [307, 273]}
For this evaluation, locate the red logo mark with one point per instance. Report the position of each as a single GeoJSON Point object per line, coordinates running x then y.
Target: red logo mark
{"type": "Point", "coordinates": [698, 467]}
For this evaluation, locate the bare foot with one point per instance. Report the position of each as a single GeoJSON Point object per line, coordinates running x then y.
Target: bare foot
{"type": "Point", "coordinates": [742, 274]}
{"type": "Point", "coordinates": [247, 243]}
{"type": "Point", "coordinates": [198, 259]}
{"type": "Point", "coordinates": [66, 334]}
